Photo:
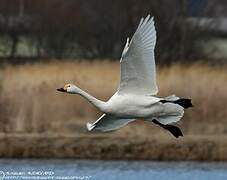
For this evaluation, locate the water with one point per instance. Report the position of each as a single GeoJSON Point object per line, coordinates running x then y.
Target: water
{"type": "Point", "coordinates": [110, 170]}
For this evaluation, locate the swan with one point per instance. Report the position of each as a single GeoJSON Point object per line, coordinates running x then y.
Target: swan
{"type": "Point", "coordinates": [135, 97]}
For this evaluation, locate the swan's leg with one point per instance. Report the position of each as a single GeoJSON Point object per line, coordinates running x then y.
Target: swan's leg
{"type": "Point", "coordinates": [174, 130]}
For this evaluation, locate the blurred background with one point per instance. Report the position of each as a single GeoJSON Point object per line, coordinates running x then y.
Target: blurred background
{"type": "Point", "coordinates": [45, 44]}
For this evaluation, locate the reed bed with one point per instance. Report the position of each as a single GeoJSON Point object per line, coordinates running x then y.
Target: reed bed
{"type": "Point", "coordinates": [29, 102]}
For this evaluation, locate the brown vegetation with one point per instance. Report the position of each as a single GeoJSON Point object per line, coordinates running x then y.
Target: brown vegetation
{"type": "Point", "coordinates": [30, 104]}
{"type": "Point", "coordinates": [153, 147]}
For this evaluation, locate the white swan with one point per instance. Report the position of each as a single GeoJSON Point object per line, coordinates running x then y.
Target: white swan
{"type": "Point", "coordinates": [135, 98]}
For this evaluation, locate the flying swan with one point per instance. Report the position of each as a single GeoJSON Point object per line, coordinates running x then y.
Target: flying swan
{"type": "Point", "coordinates": [135, 97]}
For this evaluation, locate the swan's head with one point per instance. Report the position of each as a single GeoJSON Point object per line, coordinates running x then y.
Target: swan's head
{"type": "Point", "coordinates": [69, 88]}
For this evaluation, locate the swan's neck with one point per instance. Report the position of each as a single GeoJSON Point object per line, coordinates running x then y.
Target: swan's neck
{"type": "Point", "coordinates": [96, 102]}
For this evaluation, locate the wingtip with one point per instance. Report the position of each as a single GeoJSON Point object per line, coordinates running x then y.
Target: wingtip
{"type": "Point", "coordinates": [141, 22]}
{"type": "Point", "coordinates": [89, 126]}
{"type": "Point", "coordinates": [149, 18]}
{"type": "Point", "coordinates": [127, 41]}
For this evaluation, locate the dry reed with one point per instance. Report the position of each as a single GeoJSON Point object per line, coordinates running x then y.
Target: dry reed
{"type": "Point", "coordinates": [29, 102]}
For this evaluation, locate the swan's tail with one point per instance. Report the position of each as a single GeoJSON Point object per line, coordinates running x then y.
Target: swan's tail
{"type": "Point", "coordinates": [184, 102]}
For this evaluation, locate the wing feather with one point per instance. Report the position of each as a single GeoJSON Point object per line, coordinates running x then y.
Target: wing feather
{"type": "Point", "coordinates": [108, 123]}
{"type": "Point", "coordinates": [138, 73]}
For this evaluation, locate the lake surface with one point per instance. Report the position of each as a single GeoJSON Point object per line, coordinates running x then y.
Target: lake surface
{"type": "Point", "coordinates": [110, 170]}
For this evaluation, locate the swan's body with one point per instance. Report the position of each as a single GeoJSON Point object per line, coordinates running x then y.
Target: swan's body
{"type": "Point", "coordinates": [138, 106]}
{"type": "Point", "coordinates": [135, 96]}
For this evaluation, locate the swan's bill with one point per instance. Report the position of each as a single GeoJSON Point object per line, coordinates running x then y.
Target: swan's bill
{"type": "Point", "coordinates": [61, 89]}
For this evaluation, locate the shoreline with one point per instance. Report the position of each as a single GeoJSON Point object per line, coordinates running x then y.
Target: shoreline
{"type": "Point", "coordinates": [101, 147]}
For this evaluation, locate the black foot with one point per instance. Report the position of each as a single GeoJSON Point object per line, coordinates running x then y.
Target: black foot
{"type": "Point", "coordinates": [174, 130]}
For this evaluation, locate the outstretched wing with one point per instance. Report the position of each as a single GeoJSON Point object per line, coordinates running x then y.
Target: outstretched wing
{"type": "Point", "coordinates": [108, 123]}
{"type": "Point", "coordinates": [138, 74]}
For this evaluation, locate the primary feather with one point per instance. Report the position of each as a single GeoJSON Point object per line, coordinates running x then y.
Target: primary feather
{"type": "Point", "coordinates": [138, 74]}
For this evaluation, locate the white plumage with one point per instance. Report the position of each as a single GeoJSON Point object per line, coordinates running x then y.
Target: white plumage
{"type": "Point", "coordinates": [135, 96]}
{"type": "Point", "coordinates": [138, 73]}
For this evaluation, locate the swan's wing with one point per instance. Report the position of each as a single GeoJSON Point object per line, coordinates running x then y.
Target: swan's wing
{"type": "Point", "coordinates": [138, 74]}
{"type": "Point", "coordinates": [108, 123]}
